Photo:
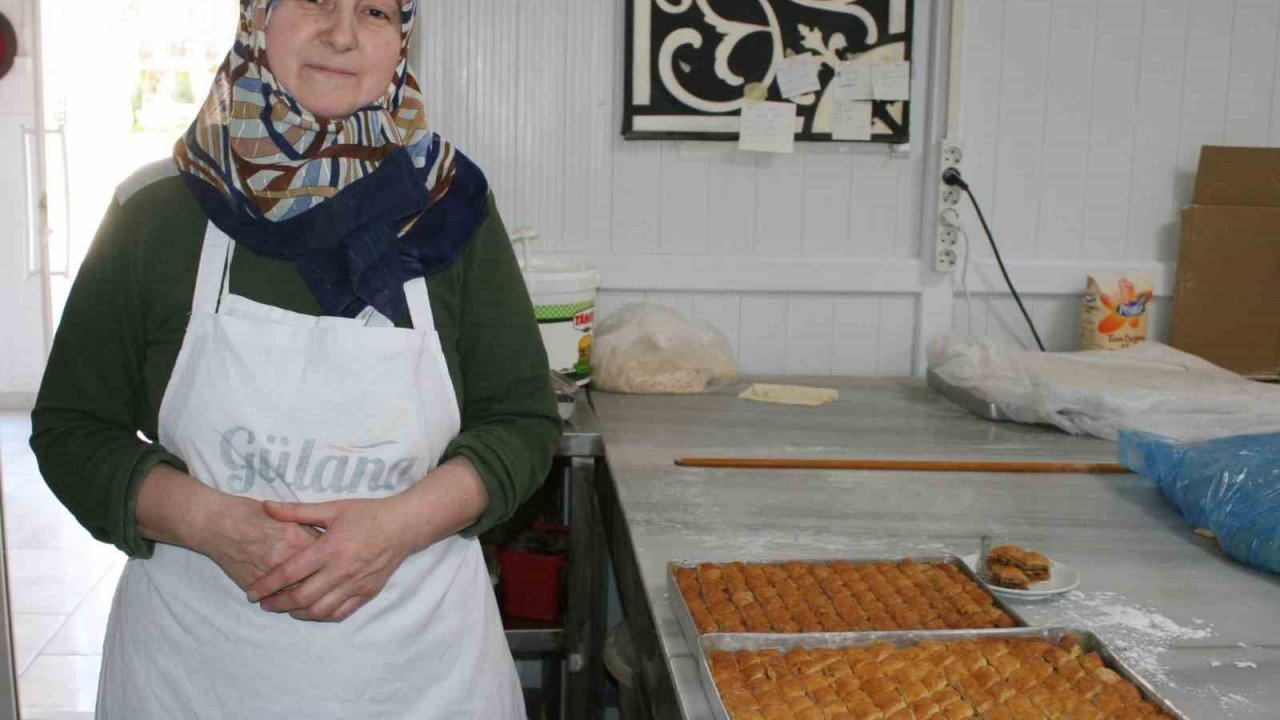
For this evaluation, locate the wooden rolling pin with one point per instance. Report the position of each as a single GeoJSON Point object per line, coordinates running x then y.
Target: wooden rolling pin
{"type": "Point", "coordinates": [990, 466]}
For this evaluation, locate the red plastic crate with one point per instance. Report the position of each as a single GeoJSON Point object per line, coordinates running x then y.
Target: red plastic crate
{"type": "Point", "coordinates": [531, 582]}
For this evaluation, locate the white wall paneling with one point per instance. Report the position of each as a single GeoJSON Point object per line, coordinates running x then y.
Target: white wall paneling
{"type": "Point", "coordinates": [1113, 110]}
{"type": "Point", "coordinates": [1081, 122]}
{"type": "Point", "coordinates": [721, 310]}
{"type": "Point", "coordinates": [1020, 113]}
{"type": "Point", "coordinates": [1057, 317]}
{"type": "Point", "coordinates": [1068, 101]}
{"type": "Point", "coordinates": [825, 201]}
{"type": "Point", "coordinates": [761, 333]}
{"type": "Point", "coordinates": [1252, 72]}
{"type": "Point", "coordinates": [808, 334]}
{"type": "Point", "coordinates": [856, 335]}
{"type": "Point", "coordinates": [1153, 227]}
{"type": "Point", "coordinates": [731, 229]}
{"type": "Point", "coordinates": [762, 246]}
{"type": "Point", "coordinates": [1128, 91]}
{"type": "Point", "coordinates": [779, 205]}
{"type": "Point", "coordinates": [800, 333]}
{"type": "Point", "coordinates": [1204, 86]}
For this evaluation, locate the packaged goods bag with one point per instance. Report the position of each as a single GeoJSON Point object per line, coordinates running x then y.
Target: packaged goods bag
{"type": "Point", "coordinates": [1115, 311]}
{"type": "Point", "coordinates": [650, 349]}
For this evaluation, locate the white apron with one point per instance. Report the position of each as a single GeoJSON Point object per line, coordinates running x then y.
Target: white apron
{"type": "Point", "coordinates": [273, 404]}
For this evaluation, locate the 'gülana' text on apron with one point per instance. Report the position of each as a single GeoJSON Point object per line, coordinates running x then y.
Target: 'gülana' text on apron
{"type": "Point", "coordinates": [249, 457]}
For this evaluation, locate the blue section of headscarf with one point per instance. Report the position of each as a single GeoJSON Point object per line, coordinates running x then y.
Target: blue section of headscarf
{"type": "Point", "coordinates": [346, 248]}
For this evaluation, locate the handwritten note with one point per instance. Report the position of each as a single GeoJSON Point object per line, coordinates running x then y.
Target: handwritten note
{"type": "Point", "coordinates": [768, 127]}
{"type": "Point", "coordinates": [798, 75]}
{"type": "Point", "coordinates": [853, 81]}
{"type": "Point", "coordinates": [850, 119]}
{"type": "Point", "coordinates": [891, 80]}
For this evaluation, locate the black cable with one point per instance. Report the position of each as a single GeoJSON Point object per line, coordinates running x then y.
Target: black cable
{"type": "Point", "coordinates": [952, 177]}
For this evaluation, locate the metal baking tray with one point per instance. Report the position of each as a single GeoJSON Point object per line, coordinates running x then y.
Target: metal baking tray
{"type": "Point", "coordinates": [690, 629]}
{"type": "Point", "coordinates": [965, 398]}
{"type": "Point", "coordinates": [744, 641]}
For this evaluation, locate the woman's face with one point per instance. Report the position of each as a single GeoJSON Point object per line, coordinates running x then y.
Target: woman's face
{"type": "Point", "coordinates": [334, 56]}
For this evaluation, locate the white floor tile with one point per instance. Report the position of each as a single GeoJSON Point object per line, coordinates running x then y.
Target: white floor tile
{"type": "Point", "coordinates": [45, 529]}
{"type": "Point", "coordinates": [27, 489]}
{"type": "Point", "coordinates": [31, 634]}
{"type": "Point", "coordinates": [60, 682]}
{"type": "Point", "coordinates": [56, 573]}
{"type": "Point", "coordinates": [52, 582]}
{"type": "Point", "coordinates": [85, 629]}
{"type": "Point", "coordinates": [15, 426]}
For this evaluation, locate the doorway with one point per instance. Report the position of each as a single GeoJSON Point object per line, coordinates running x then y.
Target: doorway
{"type": "Point", "coordinates": [121, 80]}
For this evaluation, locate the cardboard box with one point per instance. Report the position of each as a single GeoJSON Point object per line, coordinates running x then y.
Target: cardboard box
{"type": "Point", "coordinates": [1226, 306]}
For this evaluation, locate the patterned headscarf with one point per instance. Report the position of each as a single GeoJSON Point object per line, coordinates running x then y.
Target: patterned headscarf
{"type": "Point", "coordinates": [349, 200]}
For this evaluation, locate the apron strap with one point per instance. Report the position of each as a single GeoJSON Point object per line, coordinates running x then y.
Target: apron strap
{"type": "Point", "coordinates": [415, 294]}
{"type": "Point", "coordinates": [214, 274]}
{"type": "Point", "coordinates": [214, 269]}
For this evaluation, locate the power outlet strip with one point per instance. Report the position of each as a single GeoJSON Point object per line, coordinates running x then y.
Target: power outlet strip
{"type": "Point", "coordinates": [946, 251]}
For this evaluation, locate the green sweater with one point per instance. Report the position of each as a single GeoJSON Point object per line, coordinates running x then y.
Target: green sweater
{"type": "Point", "coordinates": [127, 314]}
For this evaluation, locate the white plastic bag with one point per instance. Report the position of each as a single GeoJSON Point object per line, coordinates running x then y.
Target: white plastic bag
{"type": "Point", "coordinates": [1149, 387]}
{"type": "Point", "coordinates": [651, 349]}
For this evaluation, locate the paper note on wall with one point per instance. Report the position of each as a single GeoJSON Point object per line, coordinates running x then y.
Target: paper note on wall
{"type": "Point", "coordinates": [850, 119]}
{"type": "Point", "coordinates": [768, 127]}
{"type": "Point", "coordinates": [852, 81]}
{"type": "Point", "coordinates": [798, 75]}
{"type": "Point", "coordinates": [891, 80]}
{"type": "Point", "coordinates": [897, 16]}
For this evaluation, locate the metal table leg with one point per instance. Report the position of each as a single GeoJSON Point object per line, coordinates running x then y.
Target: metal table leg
{"type": "Point", "coordinates": [552, 674]}
{"type": "Point", "coordinates": [585, 607]}
{"type": "Point", "coordinates": [654, 687]}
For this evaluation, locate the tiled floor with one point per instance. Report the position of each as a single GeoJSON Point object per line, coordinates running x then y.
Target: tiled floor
{"type": "Point", "coordinates": [61, 582]}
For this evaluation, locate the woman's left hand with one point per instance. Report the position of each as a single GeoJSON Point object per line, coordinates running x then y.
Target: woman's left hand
{"type": "Point", "coordinates": [365, 540]}
{"type": "Point", "coordinates": [363, 544]}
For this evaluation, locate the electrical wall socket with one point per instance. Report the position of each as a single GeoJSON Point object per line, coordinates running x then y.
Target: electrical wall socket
{"type": "Point", "coordinates": [945, 260]}
{"type": "Point", "coordinates": [947, 219]}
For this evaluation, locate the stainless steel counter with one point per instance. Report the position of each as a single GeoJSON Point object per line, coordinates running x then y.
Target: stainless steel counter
{"type": "Point", "coordinates": [1203, 629]}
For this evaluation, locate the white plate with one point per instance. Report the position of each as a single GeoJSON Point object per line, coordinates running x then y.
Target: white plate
{"type": "Point", "coordinates": [1062, 578]}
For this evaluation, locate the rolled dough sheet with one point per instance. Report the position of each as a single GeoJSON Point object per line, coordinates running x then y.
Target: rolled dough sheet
{"type": "Point", "coordinates": [789, 394]}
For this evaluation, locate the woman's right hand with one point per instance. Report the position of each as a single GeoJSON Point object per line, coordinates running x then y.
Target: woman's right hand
{"type": "Point", "coordinates": [247, 543]}
{"type": "Point", "coordinates": [235, 532]}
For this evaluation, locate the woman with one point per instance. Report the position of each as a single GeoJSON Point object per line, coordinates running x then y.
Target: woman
{"type": "Point", "coordinates": [315, 312]}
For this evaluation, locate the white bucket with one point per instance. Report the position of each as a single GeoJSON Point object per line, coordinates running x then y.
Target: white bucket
{"type": "Point", "coordinates": [564, 302]}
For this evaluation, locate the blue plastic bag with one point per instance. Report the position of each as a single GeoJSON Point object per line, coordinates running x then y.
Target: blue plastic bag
{"type": "Point", "coordinates": [1230, 486]}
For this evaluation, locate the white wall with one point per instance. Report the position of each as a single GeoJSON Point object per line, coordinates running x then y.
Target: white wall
{"type": "Point", "coordinates": [22, 350]}
{"type": "Point", "coordinates": [1081, 121]}
{"type": "Point", "coordinates": [533, 92]}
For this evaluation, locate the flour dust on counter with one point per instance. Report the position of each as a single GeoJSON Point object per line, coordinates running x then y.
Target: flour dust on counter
{"type": "Point", "coordinates": [1139, 635]}
{"type": "Point", "coordinates": [713, 541]}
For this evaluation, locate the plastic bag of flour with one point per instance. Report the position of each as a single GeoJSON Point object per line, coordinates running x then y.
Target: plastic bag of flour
{"type": "Point", "coordinates": [645, 348]}
{"type": "Point", "coordinates": [1115, 311]}
{"type": "Point", "coordinates": [1227, 488]}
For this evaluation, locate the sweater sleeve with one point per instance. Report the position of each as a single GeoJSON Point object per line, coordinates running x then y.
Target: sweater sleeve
{"type": "Point", "coordinates": [92, 400]}
{"type": "Point", "coordinates": [509, 421]}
